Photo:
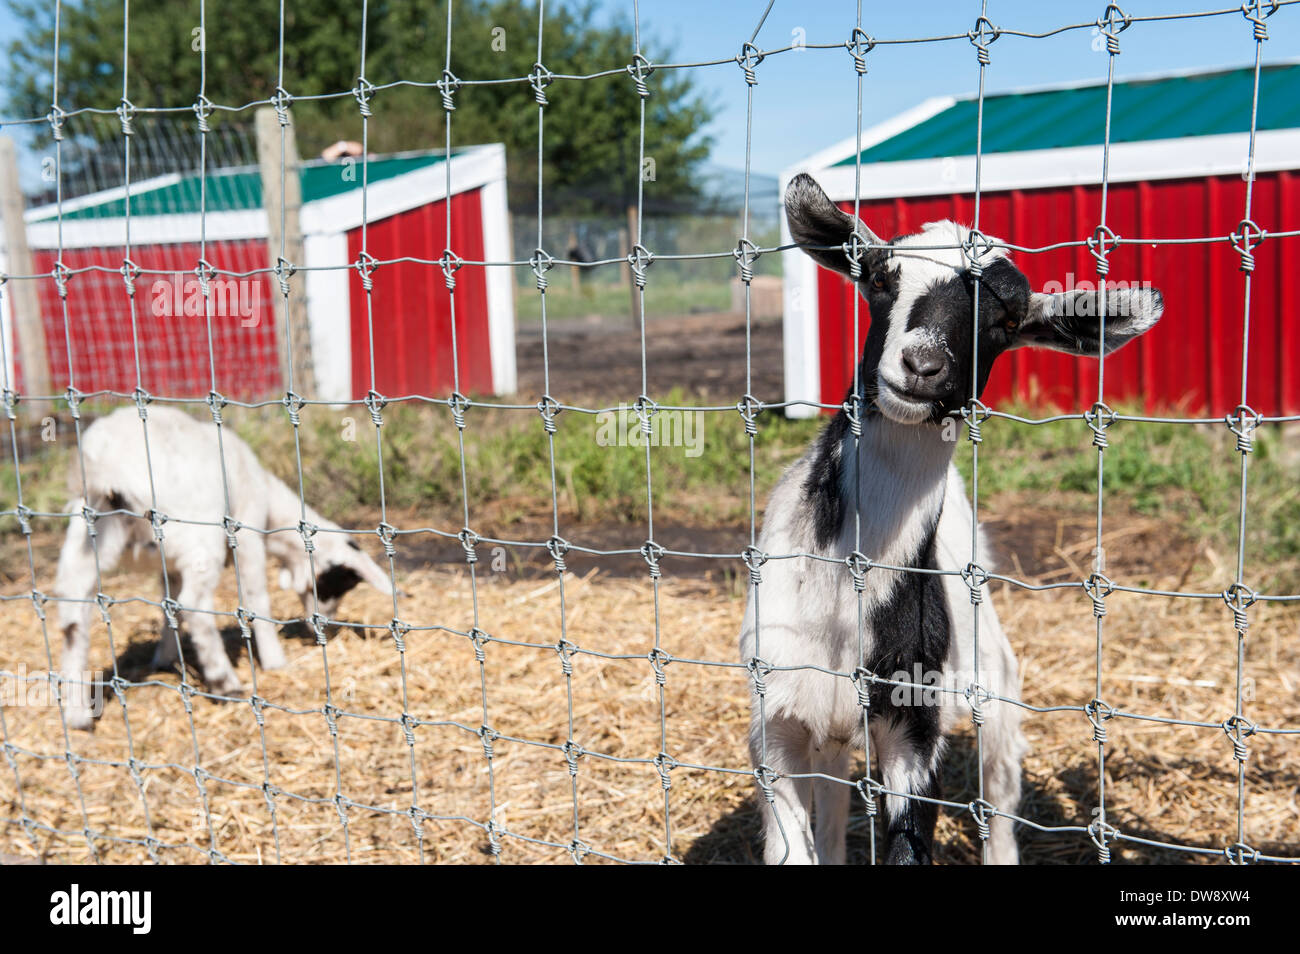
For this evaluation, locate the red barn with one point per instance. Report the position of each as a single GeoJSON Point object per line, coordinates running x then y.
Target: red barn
{"type": "Point", "coordinates": [1178, 170]}
{"type": "Point", "coordinates": [91, 336]}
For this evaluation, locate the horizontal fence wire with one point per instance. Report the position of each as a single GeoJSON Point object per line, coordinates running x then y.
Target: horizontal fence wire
{"type": "Point", "coordinates": [1242, 421]}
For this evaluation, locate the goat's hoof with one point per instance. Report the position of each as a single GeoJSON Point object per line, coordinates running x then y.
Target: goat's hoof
{"type": "Point", "coordinates": [226, 685]}
{"type": "Point", "coordinates": [81, 719]}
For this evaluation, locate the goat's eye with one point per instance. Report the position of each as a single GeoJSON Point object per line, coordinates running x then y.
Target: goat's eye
{"type": "Point", "coordinates": [878, 282]}
{"type": "Point", "coordinates": [1012, 324]}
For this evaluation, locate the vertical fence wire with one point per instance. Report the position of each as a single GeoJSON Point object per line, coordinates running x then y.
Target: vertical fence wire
{"type": "Point", "coordinates": [1242, 422]}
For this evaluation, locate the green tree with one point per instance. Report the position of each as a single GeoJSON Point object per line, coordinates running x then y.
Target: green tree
{"type": "Point", "coordinates": [592, 127]}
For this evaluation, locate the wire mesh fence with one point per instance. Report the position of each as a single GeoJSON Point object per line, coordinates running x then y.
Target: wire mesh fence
{"type": "Point", "coordinates": [473, 636]}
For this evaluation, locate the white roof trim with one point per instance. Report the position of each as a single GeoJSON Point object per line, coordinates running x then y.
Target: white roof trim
{"type": "Point", "coordinates": [1190, 157]}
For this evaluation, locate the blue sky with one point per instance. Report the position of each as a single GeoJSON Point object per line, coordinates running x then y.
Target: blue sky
{"type": "Point", "coordinates": [806, 100]}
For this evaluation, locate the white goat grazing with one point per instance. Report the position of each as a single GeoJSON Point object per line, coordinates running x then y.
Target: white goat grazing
{"type": "Point", "coordinates": [802, 622]}
{"type": "Point", "coordinates": [187, 482]}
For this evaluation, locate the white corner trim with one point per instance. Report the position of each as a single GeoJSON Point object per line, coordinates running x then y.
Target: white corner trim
{"type": "Point", "coordinates": [1189, 157]}
{"type": "Point", "coordinates": [98, 198]}
{"type": "Point", "coordinates": [800, 328]}
{"type": "Point", "coordinates": [148, 230]}
{"type": "Point", "coordinates": [475, 167]}
{"type": "Point", "coordinates": [500, 293]}
{"type": "Point", "coordinates": [329, 308]}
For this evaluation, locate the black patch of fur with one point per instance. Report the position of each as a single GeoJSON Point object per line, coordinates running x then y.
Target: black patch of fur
{"type": "Point", "coordinates": [912, 633]}
{"type": "Point", "coordinates": [116, 501]}
{"type": "Point", "coordinates": [822, 487]}
{"type": "Point", "coordinates": [335, 582]}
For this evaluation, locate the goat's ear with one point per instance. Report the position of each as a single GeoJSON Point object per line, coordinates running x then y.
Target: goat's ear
{"type": "Point", "coordinates": [1070, 321]}
{"type": "Point", "coordinates": [817, 221]}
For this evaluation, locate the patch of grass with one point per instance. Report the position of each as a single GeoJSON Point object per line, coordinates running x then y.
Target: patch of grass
{"type": "Point", "coordinates": [1189, 476]}
{"type": "Point", "coordinates": [610, 300]}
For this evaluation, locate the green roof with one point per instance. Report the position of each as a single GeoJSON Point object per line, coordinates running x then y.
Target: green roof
{"type": "Point", "coordinates": [1205, 104]}
{"type": "Point", "coordinates": [239, 190]}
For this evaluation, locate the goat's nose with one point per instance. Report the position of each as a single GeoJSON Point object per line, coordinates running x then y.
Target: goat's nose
{"type": "Point", "coordinates": [925, 363]}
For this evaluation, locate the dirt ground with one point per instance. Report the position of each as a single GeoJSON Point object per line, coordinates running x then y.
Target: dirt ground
{"type": "Point", "coordinates": [342, 772]}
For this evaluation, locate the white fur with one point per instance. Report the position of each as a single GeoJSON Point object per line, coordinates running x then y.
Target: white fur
{"type": "Point", "coordinates": [187, 486]}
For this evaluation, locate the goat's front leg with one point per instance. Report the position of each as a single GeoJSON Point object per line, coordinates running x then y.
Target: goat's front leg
{"type": "Point", "coordinates": [787, 832]}
{"type": "Point", "coordinates": [908, 747]}
{"type": "Point", "coordinates": [252, 581]}
{"type": "Point", "coordinates": [831, 801]}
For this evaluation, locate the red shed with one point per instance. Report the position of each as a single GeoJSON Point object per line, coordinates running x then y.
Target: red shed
{"type": "Point", "coordinates": [1178, 169]}
{"type": "Point", "coordinates": [93, 343]}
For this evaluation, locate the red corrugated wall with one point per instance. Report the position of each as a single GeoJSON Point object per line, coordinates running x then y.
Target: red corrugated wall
{"type": "Point", "coordinates": [1191, 361]}
{"type": "Point", "coordinates": [173, 346]}
{"type": "Point", "coordinates": [410, 302]}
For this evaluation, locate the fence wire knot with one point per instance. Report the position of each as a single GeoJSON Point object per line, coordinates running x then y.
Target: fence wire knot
{"type": "Point", "coordinates": [859, 45]}
{"type": "Point", "coordinates": [1243, 421]}
{"type": "Point", "coordinates": [39, 600]}
{"type": "Point", "coordinates": [307, 531]}
{"type": "Point", "coordinates": [449, 263]}
{"type": "Point", "coordinates": [572, 752]}
{"type": "Point", "coordinates": [480, 640]}
{"type": "Point", "coordinates": [539, 79]}
{"type": "Point", "coordinates": [541, 263]}
{"type": "Point", "coordinates": [854, 250]}
{"type": "Point", "coordinates": [1241, 853]}
{"type": "Point", "coordinates": [375, 404]}
{"type": "Point", "coordinates": [203, 108]}
{"type": "Point", "coordinates": [61, 275]}
{"type": "Point", "coordinates": [293, 405]}
{"type": "Point", "coordinates": [975, 412]}
{"type": "Point", "coordinates": [652, 553]}
{"type": "Point", "coordinates": [56, 117]}
{"type": "Point", "coordinates": [640, 69]}
{"type": "Point", "coordinates": [494, 838]}
{"type": "Point", "coordinates": [1240, 598]}
{"type": "Point", "coordinates": [977, 247]}
{"type": "Point", "coordinates": [868, 789]}
{"type": "Point", "coordinates": [126, 116]}
{"type": "Point", "coordinates": [863, 679]}
{"type": "Point", "coordinates": [156, 520]}
{"type": "Point", "coordinates": [759, 670]}
{"type": "Point", "coordinates": [859, 565]}
{"type": "Point", "coordinates": [975, 577]}
{"type": "Point", "coordinates": [469, 541]}
{"type": "Point", "coordinates": [1099, 713]}
{"type": "Point", "coordinates": [398, 629]}
{"type": "Point", "coordinates": [982, 36]}
{"type": "Point", "coordinates": [284, 270]}
{"type": "Point", "coordinates": [216, 401]}
{"type": "Point", "coordinates": [639, 259]}
{"type": "Point", "coordinates": [245, 618]}
{"type": "Point", "coordinates": [665, 763]}
{"type": "Point", "coordinates": [73, 397]}
{"type": "Point", "coordinates": [766, 777]}
{"type": "Point", "coordinates": [1239, 729]}
{"type": "Point", "coordinates": [976, 697]}
{"type": "Point", "coordinates": [459, 404]}
{"type": "Point", "coordinates": [447, 86]}
{"type": "Point", "coordinates": [550, 409]}
{"type": "Point", "coordinates": [1256, 14]}
{"type": "Point", "coordinates": [1098, 586]}
{"type": "Point", "coordinates": [557, 547]}
{"type": "Point", "coordinates": [318, 624]}
{"type": "Point", "coordinates": [142, 399]}
{"type": "Point", "coordinates": [281, 102]}
{"type": "Point", "coordinates": [488, 735]}
{"type": "Point", "coordinates": [746, 253]}
{"type": "Point", "coordinates": [754, 559]}
{"type": "Point", "coordinates": [170, 608]}
{"type": "Point", "coordinates": [1100, 244]}
{"type": "Point", "coordinates": [852, 408]}
{"type": "Point", "coordinates": [1106, 25]}
{"type": "Point", "coordinates": [365, 266]}
{"type": "Point", "coordinates": [748, 59]}
{"type": "Point", "coordinates": [1102, 834]}
{"type": "Point", "coordinates": [387, 533]}
{"type": "Point", "coordinates": [231, 526]}
{"type": "Point", "coordinates": [1246, 239]}
{"type": "Point", "coordinates": [11, 404]}
{"type": "Point", "coordinates": [646, 408]}
{"type": "Point", "coordinates": [566, 651]}
{"type": "Point", "coordinates": [24, 514]}
{"type": "Point", "coordinates": [129, 271]}
{"type": "Point", "coordinates": [659, 660]}
{"type": "Point", "coordinates": [1099, 418]}
{"type": "Point", "coordinates": [362, 93]}
{"type": "Point", "coordinates": [982, 810]}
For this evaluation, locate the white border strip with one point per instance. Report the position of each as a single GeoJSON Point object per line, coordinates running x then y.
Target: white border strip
{"type": "Point", "coordinates": [1191, 157]}
{"type": "Point", "coordinates": [500, 291]}
{"type": "Point", "coordinates": [329, 308]}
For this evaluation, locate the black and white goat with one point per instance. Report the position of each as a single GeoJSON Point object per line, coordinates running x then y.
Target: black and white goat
{"type": "Point", "coordinates": [187, 485]}
{"type": "Point", "coordinates": [916, 372]}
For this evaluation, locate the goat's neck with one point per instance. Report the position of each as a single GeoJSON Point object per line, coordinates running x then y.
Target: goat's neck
{"type": "Point", "coordinates": [901, 474]}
